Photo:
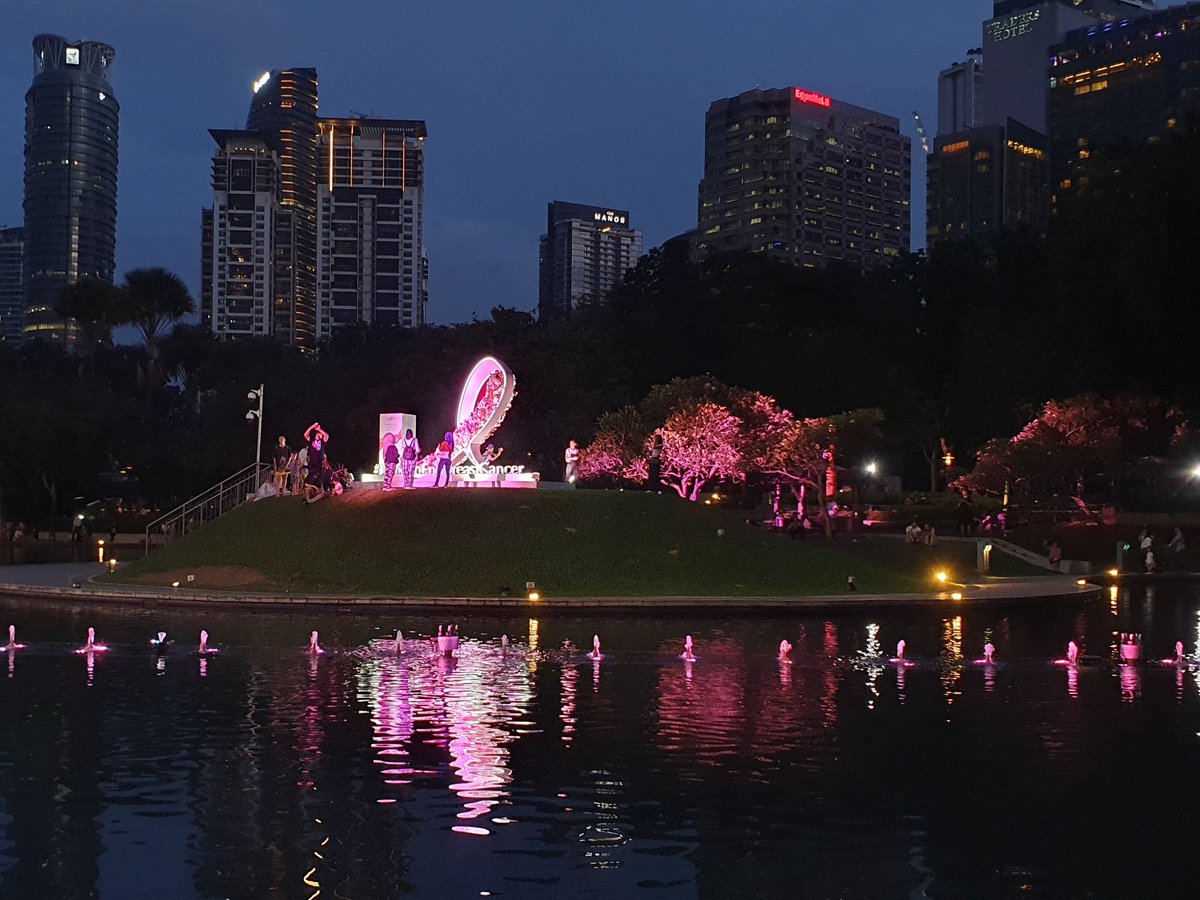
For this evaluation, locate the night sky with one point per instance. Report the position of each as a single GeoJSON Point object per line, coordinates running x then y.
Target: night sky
{"type": "Point", "coordinates": [527, 101]}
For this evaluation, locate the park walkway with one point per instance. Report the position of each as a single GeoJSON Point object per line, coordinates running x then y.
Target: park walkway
{"type": "Point", "coordinates": [52, 581]}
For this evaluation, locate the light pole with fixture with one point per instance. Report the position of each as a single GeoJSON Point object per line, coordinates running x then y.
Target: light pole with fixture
{"type": "Point", "coordinates": [253, 414]}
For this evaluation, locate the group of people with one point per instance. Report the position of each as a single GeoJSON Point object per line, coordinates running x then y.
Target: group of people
{"type": "Point", "coordinates": [405, 454]}
{"type": "Point", "coordinates": [915, 534]}
{"type": "Point", "coordinates": [1175, 549]}
{"type": "Point", "coordinates": [307, 471]}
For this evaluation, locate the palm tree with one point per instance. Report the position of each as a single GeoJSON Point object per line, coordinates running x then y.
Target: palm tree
{"type": "Point", "coordinates": [95, 307]}
{"type": "Point", "coordinates": [154, 299]}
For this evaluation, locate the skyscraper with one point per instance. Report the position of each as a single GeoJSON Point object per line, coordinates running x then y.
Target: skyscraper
{"type": "Point", "coordinates": [237, 296]}
{"type": "Point", "coordinates": [12, 296]}
{"type": "Point", "coordinates": [987, 179]}
{"type": "Point", "coordinates": [1120, 87]}
{"type": "Point", "coordinates": [371, 262]}
{"type": "Point", "coordinates": [1016, 42]}
{"type": "Point", "coordinates": [583, 255]}
{"type": "Point", "coordinates": [960, 88]}
{"type": "Point", "coordinates": [804, 177]}
{"type": "Point", "coordinates": [71, 119]}
{"type": "Point", "coordinates": [284, 111]}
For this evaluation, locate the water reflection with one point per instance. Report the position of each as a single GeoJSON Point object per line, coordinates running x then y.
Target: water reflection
{"type": "Point", "coordinates": [368, 772]}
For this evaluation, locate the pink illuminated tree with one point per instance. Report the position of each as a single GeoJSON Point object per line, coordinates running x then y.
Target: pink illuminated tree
{"type": "Point", "coordinates": [798, 452]}
{"type": "Point", "coordinates": [1074, 439]}
{"type": "Point", "coordinates": [701, 443]}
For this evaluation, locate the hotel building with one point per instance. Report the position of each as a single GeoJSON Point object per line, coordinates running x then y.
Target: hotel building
{"type": "Point", "coordinates": [583, 255]}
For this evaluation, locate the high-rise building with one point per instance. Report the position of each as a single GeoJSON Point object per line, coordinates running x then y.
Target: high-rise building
{"type": "Point", "coordinates": [371, 262]}
{"type": "Point", "coordinates": [1121, 86]}
{"type": "Point", "coordinates": [237, 286]}
{"type": "Point", "coordinates": [1016, 42]}
{"type": "Point", "coordinates": [71, 118]}
{"type": "Point", "coordinates": [987, 179]}
{"type": "Point", "coordinates": [804, 177]}
{"type": "Point", "coordinates": [960, 94]}
{"type": "Point", "coordinates": [12, 295]}
{"type": "Point", "coordinates": [583, 255]}
{"type": "Point", "coordinates": [284, 111]}
{"type": "Point", "coordinates": [340, 239]}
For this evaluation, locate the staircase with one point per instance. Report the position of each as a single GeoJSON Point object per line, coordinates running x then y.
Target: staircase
{"type": "Point", "coordinates": [205, 506]}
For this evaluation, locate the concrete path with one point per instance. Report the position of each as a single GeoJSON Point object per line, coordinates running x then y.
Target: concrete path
{"type": "Point", "coordinates": [52, 582]}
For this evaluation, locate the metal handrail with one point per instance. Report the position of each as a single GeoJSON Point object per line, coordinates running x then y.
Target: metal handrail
{"type": "Point", "coordinates": [205, 506]}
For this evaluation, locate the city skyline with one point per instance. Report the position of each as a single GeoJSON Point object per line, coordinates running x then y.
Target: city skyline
{"type": "Point", "coordinates": [512, 129]}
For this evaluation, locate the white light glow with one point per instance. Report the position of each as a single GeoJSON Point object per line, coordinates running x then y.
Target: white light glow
{"type": "Point", "coordinates": [263, 79]}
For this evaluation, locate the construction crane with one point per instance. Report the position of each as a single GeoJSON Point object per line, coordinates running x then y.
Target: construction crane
{"type": "Point", "coordinates": [921, 131]}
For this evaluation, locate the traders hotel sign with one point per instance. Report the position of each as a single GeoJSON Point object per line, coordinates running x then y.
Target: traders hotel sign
{"type": "Point", "coordinates": [1012, 26]}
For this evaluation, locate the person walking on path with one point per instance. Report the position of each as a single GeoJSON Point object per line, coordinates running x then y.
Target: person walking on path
{"type": "Point", "coordinates": [408, 458]}
{"type": "Point", "coordinates": [444, 451]}
{"type": "Point", "coordinates": [571, 458]}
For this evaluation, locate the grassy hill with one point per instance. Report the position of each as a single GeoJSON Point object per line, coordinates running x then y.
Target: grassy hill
{"type": "Point", "coordinates": [571, 543]}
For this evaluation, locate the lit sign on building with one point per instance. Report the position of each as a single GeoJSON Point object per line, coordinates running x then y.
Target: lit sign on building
{"type": "Point", "coordinates": [1013, 26]}
{"type": "Point", "coordinates": [72, 56]}
{"type": "Point", "coordinates": [263, 79]}
{"type": "Point", "coordinates": [612, 218]}
{"type": "Point", "coordinates": [812, 98]}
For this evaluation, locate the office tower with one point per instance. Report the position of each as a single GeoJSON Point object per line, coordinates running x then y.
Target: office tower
{"type": "Point", "coordinates": [237, 295]}
{"type": "Point", "coordinates": [583, 255]}
{"type": "Point", "coordinates": [987, 179]}
{"type": "Point", "coordinates": [1016, 44]}
{"type": "Point", "coordinates": [12, 296]}
{"type": "Point", "coordinates": [70, 177]}
{"type": "Point", "coordinates": [804, 177]}
{"type": "Point", "coordinates": [959, 94]}
{"type": "Point", "coordinates": [1121, 86]}
{"type": "Point", "coordinates": [371, 263]}
{"type": "Point", "coordinates": [284, 111]}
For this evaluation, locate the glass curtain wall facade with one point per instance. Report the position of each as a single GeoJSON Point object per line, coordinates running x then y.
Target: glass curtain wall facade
{"type": "Point", "coordinates": [71, 125]}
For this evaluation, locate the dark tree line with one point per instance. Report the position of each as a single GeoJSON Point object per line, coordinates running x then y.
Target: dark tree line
{"type": "Point", "coordinates": [961, 345]}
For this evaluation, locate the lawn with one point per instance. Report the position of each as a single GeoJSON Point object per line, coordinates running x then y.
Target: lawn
{"type": "Point", "coordinates": [571, 543]}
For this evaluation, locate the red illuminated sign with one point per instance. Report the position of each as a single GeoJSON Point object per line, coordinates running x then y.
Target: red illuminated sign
{"type": "Point", "coordinates": [811, 98]}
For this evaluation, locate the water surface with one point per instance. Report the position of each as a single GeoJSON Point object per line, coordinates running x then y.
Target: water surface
{"type": "Point", "coordinates": [533, 771]}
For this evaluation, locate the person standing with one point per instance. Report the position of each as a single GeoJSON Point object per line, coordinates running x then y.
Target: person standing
{"type": "Point", "coordinates": [571, 458]}
{"type": "Point", "coordinates": [654, 482]}
{"type": "Point", "coordinates": [1177, 546]}
{"type": "Point", "coordinates": [444, 451]}
{"type": "Point", "coordinates": [280, 458]}
{"type": "Point", "coordinates": [314, 482]}
{"type": "Point", "coordinates": [391, 456]}
{"type": "Point", "coordinates": [408, 458]}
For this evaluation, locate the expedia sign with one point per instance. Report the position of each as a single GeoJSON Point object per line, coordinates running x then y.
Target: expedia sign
{"type": "Point", "coordinates": [1012, 26]}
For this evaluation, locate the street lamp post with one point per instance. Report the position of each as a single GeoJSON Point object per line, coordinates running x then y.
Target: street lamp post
{"type": "Point", "coordinates": [253, 414]}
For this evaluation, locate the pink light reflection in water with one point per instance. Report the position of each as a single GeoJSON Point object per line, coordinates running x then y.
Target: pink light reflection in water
{"type": "Point", "coordinates": [429, 713]}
